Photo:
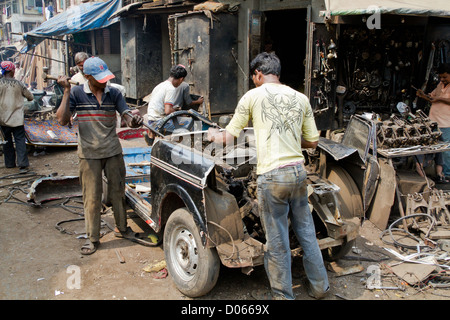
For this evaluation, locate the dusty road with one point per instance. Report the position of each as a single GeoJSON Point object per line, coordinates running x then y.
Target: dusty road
{"type": "Point", "coordinates": [39, 262]}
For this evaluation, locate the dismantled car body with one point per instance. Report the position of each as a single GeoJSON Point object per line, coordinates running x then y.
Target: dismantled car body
{"type": "Point", "coordinates": [204, 199]}
{"type": "Point", "coordinates": [373, 164]}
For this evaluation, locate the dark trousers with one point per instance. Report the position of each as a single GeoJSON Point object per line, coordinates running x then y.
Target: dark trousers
{"type": "Point", "coordinates": [20, 149]}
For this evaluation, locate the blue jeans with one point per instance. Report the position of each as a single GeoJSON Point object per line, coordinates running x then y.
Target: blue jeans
{"type": "Point", "coordinates": [446, 154]}
{"type": "Point", "coordinates": [280, 191]}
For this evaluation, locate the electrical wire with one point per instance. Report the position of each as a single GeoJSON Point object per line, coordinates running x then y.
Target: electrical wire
{"type": "Point", "coordinates": [397, 243]}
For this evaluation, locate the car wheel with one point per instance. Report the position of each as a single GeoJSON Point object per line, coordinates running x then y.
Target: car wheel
{"type": "Point", "coordinates": [193, 267]}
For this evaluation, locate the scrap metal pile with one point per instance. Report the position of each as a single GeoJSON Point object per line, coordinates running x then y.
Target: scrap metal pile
{"type": "Point", "coordinates": [413, 130]}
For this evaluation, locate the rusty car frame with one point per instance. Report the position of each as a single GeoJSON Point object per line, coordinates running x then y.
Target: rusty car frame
{"type": "Point", "coordinates": [202, 200]}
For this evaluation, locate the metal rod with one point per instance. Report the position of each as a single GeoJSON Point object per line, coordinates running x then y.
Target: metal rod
{"type": "Point", "coordinates": [39, 56]}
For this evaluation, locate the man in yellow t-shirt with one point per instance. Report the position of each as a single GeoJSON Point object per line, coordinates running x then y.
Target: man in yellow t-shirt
{"type": "Point", "coordinates": [283, 123]}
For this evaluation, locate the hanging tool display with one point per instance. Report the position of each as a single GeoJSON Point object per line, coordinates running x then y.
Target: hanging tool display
{"type": "Point", "coordinates": [323, 76]}
{"type": "Point", "coordinates": [440, 53]}
{"type": "Point", "coordinates": [378, 67]}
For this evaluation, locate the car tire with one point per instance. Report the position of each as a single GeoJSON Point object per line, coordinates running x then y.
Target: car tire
{"type": "Point", "coordinates": [193, 267]}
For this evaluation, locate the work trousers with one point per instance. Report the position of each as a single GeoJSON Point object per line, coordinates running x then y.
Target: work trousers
{"type": "Point", "coordinates": [91, 179]}
{"type": "Point", "coordinates": [446, 154]}
{"type": "Point", "coordinates": [18, 153]}
{"type": "Point", "coordinates": [280, 191]}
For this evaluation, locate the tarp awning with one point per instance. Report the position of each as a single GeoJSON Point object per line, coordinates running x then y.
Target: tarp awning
{"type": "Point", "coordinates": [85, 17]}
{"type": "Point", "coordinates": [411, 7]}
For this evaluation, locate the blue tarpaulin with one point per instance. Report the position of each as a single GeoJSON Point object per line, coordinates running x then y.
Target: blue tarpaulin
{"type": "Point", "coordinates": [85, 17]}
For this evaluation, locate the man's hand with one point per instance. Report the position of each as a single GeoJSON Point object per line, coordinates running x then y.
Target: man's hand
{"type": "Point", "coordinates": [422, 95]}
{"type": "Point", "coordinates": [63, 81]}
{"type": "Point", "coordinates": [199, 100]}
{"type": "Point", "coordinates": [136, 121]}
{"type": "Point", "coordinates": [212, 132]}
{"type": "Point", "coordinates": [63, 113]}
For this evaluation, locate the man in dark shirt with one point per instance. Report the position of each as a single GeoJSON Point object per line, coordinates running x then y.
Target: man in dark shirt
{"type": "Point", "coordinates": [99, 147]}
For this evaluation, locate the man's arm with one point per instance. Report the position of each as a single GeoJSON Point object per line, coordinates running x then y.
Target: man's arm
{"type": "Point", "coordinates": [442, 100]}
{"type": "Point", "coordinates": [63, 113]}
{"type": "Point", "coordinates": [169, 108]}
{"type": "Point", "coordinates": [132, 120]}
{"type": "Point", "coordinates": [309, 144]}
{"type": "Point", "coordinates": [423, 95]}
{"type": "Point", "coordinates": [198, 101]}
{"type": "Point", "coordinates": [220, 137]}
{"type": "Point", "coordinates": [27, 94]}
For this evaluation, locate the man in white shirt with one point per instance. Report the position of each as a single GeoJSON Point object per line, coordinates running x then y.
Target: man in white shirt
{"type": "Point", "coordinates": [164, 99]}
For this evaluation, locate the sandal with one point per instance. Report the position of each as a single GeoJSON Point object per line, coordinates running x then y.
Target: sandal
{"type": "Point", "coordinates": [441, 179]}
{"type": "Point", "coordinates": [128, 234]}
{"type": "Point", "coordinates": [89, 247]}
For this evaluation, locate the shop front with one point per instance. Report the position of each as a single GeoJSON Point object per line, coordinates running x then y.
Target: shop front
{"type": "Point", "coordinates": [366, 58]}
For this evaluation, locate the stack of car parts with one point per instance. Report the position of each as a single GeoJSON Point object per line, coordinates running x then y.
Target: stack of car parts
{"type": "Point", "coordinates": [436, 203]}
{"type": "Point", "coordinates": [430, 215]}
{"type": "Point", "coordinates": [410, 130]}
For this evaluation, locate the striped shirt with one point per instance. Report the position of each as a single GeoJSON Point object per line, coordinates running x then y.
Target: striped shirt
{"type": "Point", "coordinates": [97, 137]}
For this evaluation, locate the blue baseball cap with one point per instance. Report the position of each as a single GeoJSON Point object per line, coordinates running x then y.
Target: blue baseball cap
{"type": "Point", "coordinates": [97, 68]}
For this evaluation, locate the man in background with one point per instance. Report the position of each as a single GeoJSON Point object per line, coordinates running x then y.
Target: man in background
{"type": "Point", "coordinates": [80, 58]}
{"type": "Point", "coordinates": [440, 112]}
{"type": "Point", "coordinates": [165, 99]}
{"type": "Point", "coordinates": [12, 92]}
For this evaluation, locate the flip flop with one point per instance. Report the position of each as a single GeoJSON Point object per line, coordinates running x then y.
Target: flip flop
{"type": "Point", "coordinates": [160, 274]}
{"type": "Point", "coordinates": [128, 234]}
{"type": "Point", "coordinates": [441, 179]}
{"type": "Point", "coordinates": [89, 247]}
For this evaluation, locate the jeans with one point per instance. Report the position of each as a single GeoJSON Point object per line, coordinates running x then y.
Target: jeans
{"type": "Point", "coordinates": [20, 150]}
{"type": "Point", "coordinates": [280, 191]}
{"type": "Point", "coordinates": [446, 154]}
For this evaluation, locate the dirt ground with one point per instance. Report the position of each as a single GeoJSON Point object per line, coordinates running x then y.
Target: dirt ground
{"type": "Point", "coordinates": [39, 262]}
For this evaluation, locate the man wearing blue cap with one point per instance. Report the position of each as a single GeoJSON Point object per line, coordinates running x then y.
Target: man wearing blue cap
{"type": "Point", "coordinates": [99, 148]}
